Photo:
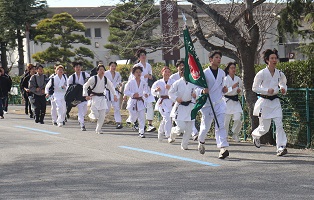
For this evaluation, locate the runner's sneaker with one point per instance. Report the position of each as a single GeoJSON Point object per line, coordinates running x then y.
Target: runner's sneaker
{"type": "Point", "coordinates": [151, 128]}
{"type": "Point", "coordinates": [83, 128]}
{"type": "Point", "coordinates": [141, 135]}
{"type": "Point", "coordinates": [223, 153]}
{"type": "Point", "coordinates": [282, 151]}
{"type": "Point", "coordinates": [183, 147]}
{"type": "Point", "coordinates": [135, 126]}
{"type": "Point", "coordinates": [119, 126]}
{"type": "Point", "coordinates": [201, 148]}
{"type": "Point", "coordinates": [195, 137]}
{"type": "Point", "coordinates": [170, 140]}
{"type": "Point", "coordinates": [256, 142]}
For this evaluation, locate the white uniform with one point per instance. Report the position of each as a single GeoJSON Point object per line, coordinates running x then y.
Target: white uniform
{"type": "Point", "coordinates": [150, 99]}
{"type": "Point", "coordinates": [163, 105]}
{"type": "Point", "coordinates": [136, 107]}
{"type": "Point", "coordinates": [233, 109]}
{"type": "Point", "coordinates": [82, 107]}
{"type": "Point", "coordinates": [98, 103]}
{"type": "Point", "coordinates": [116, 81]}
{"type": "Point", "coordinates": [53, 106]}
{"type": "Point", "coordinates": [58, 96]}
{"type": "Point", "coordinates": [176, 77]}
{"type": "Point", "coordinates": [180, 113]}
{"type": "Point", "coordinates": [267, 109]}
{"type": "Point", "coordinates": [215, 86]}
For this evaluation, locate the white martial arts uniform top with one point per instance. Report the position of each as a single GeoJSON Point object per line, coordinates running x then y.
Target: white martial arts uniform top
{"type": "Point", "coordinates": [263, 81]}
{"type": "Point", "coordinates": [184, 90]}
{"type": "Point", "coordinates": [80, 80]}
{"type": "Point", "coordinates": [166, 104]}
{"type": "Point", "coordinates": [58, 83]}
{"type": "Point", "coordinates": [98, 102]}
{"type": "Point", "coordinates": [130, 89]}
{"type": "Point", "coordinates": [116, 80]}
{"type": "Point", "coordinates": [175, 76]}
{"type": "Point", "coordinates": [233, 106]}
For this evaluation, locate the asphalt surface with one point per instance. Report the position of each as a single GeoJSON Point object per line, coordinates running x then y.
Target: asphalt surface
{"type": "Point", "coordinates": [49, 162]}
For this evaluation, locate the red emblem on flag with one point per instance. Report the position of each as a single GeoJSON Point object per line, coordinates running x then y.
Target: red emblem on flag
{"type": "Point", "coordinates": [195, 72]}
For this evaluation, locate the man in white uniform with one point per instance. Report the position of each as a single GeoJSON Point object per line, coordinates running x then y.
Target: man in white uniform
{"type": "Point", "coordinates": [267, 83]}
{"type": "Point", "coordinates": [58, 85]}
{"type": "Point", "coordinates": [146, 74]}
{"type": "Point", "coordinates": [164, 105]}
{"type": "Point", "coordinates": [98, 85]}
{"type": "Point", "coordinates": [115, 78]}
{"type": "Point", "coordinates": [137, 91]}
{"type": "Point", "coordinates": [80, 78]}
{"type": "Point", "coordinates": [233, 108]}
{"type": "Point", "coordinates": [182, 93]}
{"type": "Point", "coordinates": [175, 77]}
{"type": "Point", "coordinates": [214, 77]}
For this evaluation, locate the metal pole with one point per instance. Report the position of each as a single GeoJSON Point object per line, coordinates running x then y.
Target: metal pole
{"type": "Point", "coordinates": [28, 48]}
{"type": "Point", "coordinates": [307, 100]}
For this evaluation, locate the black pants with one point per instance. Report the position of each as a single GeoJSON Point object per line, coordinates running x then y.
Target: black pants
{"type": "Point", "coordinates": [40, 108]}
{"type": "Point", "coordinates": [28, 108]}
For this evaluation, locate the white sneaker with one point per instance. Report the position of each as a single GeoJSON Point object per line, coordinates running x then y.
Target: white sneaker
{"type": "Point", "coordinates": [282, 151]}
{"type": "Point", "coordinates": [150, 128]}
{"type": "Point", "coordinates": [183, 147]}
{"type": "Point", "coordinates": [201, 148]}
{"type": "Point", "coordinates": [223, 153]}
{"type": "Point", "coordinates": [170, 140]}
{"type": "Point", "coordinates": [256, 141]}
{"type": "Point", "coordinates": [195, 137]}
{"type": "Point", "coordinates": [60, 124]}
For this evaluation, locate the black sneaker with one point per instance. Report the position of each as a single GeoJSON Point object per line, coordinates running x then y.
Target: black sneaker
{"type": "Point", "coordinates": [119, 126]}
{"type": "Point", "coordinates": [141, 135]}
{"type": "Point", "coordinates": [282, 151]}
{"type": "Point", "coordinates": [135, 126]}
{"type": "Point", "coordinates": [223, 153]}
{"type": "Point", "coordinates": [63, 123]}
{"type": "Point", "coordinates": [83, 128]}
{"type": "Point", "coordinates": [256, 142]}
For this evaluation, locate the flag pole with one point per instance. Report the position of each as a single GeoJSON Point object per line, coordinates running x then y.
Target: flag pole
{"type": "Point", "coordinates": [209, 99]}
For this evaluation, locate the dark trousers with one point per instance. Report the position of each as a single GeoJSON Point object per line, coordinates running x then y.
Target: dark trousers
{"type": "Point", "coordinates": [28, 109]}
{"type": "Point", "coordinates": [40, 108]}
{"type": "Point", "coordinates": [5, 102]}
{"type": "Point", "coordinates": [1, 106]}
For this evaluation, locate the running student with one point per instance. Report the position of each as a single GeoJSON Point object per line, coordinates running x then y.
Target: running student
{"type": "Point", "coordinates": [233, 109]}
{"type": "Point", "coordinates": [137, 89]}
{"type": "Point", "coordinates": [268, 83]}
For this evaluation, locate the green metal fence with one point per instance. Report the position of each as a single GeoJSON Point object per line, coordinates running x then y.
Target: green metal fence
{"type": "Point", "coordinates": [15, 95]}
{"type": "Point", "coordinates": [298, 117]}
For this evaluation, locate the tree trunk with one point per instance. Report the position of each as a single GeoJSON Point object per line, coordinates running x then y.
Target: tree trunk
{"type": "Point", "coordinates": [20, 50]}
{"type": "Point", "coordinates": [4, 61]}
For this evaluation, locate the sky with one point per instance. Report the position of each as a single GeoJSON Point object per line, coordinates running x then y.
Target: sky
{"type": "Point", "coordinates": [80, 3]}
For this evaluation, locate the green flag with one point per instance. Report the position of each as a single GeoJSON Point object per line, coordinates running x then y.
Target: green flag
{"type": "Point", "coordinates": [193, 71]}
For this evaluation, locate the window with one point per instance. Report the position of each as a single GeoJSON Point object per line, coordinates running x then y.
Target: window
{"type": "Point", "coordinates": [88, 33]}
{"type": "Point", "coordinates": [97, 33]}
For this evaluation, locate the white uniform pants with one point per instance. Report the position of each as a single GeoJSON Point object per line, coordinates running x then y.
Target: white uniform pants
{"type": "Point", "coordinates": [150, 111]}
{"type": "Point", "coordinates": [263, 128]}
{"type": "Point", "coordinates": [184, 127]}
{"type": "Point", "coordinates": [194, 130]}
{"type": "Point", "coordinates": [140, 116]}
{"type": "Point", "coordinates": [100, 116]}
{"type": "Point", "coordinates": [61, 110]}
{"type": "Point", "coordinates": [237, 124]}
{"type": "Point", "coordinates": [220, 133]}
{"type": "Point", "coordinates": [165, 124]}
{"type": "Point", "coordinates": [116, 109]}
{"type": "Point", "coordinates": [82, 110]}
{"type": "Point", "coordinates": [54, 114]}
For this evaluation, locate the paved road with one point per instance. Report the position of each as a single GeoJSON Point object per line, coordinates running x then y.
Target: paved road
{"type": "Point", "coordinates": [48, 162]}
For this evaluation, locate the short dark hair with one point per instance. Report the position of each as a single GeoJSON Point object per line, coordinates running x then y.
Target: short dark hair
{"type": "Point", "coordinates": [99, 66]}
{"type": "Point", "coordinates": [136, 67]}
{"type": "Point", "coordinates": [138, 52]}
{"type": "Point", "coordinates": [228, 66]}
{"type": "Point", "coordinates": [113, 63]}
{"type": "Point", "coordinates": [267, 53]}
{"type": "Point", "coordinates": [39, 65]}
{"type": "Point", "coordinates": [30, 66]}
{"type": "Point", "coordinates": [213, 53]}
{"type": "Point", "coordinates": [179, 63]}
{"type": "Point", "coordinates": [76, 64]}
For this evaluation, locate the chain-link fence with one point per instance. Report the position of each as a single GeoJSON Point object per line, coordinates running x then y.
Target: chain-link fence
{"type": "Point", "coordinates": [298, 117]}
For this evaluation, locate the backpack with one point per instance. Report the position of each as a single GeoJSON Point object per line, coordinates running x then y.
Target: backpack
{"type": "Point", "coordinates": [52, 89]}
{"type": "Point", "coordinates": [74, 93]}
{"type": "Point", "coordinates": [89, 89]}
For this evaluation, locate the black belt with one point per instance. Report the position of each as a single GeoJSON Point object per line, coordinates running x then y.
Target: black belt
{"type": "Point", "coordinates": [233, 98]}
{"type": "Point", "coordinates": [268, 97]}
{"type": "Point", "coordinates": [98, 94]}
{"type": "Point", "coordinates": [185, 103]}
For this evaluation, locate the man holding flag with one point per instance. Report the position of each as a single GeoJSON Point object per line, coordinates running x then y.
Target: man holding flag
{"type": "Point", "coordinates": [210, 101]}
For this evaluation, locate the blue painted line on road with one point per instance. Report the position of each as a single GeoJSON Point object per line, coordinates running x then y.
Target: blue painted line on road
{"type": "Point", "coordinates": [38, 130]}
{"type": "Point", "coordinates": [171, 156]}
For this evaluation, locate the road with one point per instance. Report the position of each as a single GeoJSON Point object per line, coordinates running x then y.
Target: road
{"type": "Point", "coordinates": [48, 162]}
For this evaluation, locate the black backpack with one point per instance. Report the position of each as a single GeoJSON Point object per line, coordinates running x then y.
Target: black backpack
{"type": "Point", "coordinates": [52, 89]}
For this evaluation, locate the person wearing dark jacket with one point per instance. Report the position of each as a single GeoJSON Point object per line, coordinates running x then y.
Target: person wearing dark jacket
{"type": "Point", "coordinates": [6, 99]}
{"type": "Point", "coordinates": [5, 86]}
{"type": "Point", "coordinates": [37, 84]}
{"type": "Point", "coordinates": [31, 70]}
